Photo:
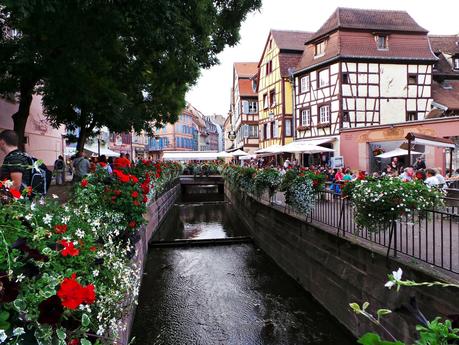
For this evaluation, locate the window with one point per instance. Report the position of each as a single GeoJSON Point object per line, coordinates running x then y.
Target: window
{"type": "Point", "coordinates": [305, 117]}
{"type": "Point", "coordinates": [324, 114]}
{"type": "Point", "coordinates": [323, 78]}
{"type": "Point", "coordinates": [275, 125]}
{"type": "Point", "coordinates": [456, 62]}
{"type": "Point", "coordinates": [269, 67]}
{"type": "Point", "coordinates": [288, 127]}
{"type": "Point", "coordinates": [265, 131]}
{"type": "Point", "coordinates": [253, 131]}
{"type": "Point", "coordinates": [381, 42]}
{"type": "Point", "coordinates": [412, 79]}
{"type": "Point", "coordinates": [268, 130]}
{"type": "Point", "coordinates": [253, 107]}
{"type": "Point", "coordinates": [272, 98]}
{"type": "Point", "coordinates": [304, 81]}
{"type": "Point", "coordinates": [345, 78]}
{"type": "Point", "coordinates": [346, 119]}
{"type": "Point", "coordinates": [320, 48]}
{"type": "Point", "coordinates": [265, 101]}
{"type": "Point", "coordinates": [411, 116]}
{"type": "Point", "coordinates": [270, 45]}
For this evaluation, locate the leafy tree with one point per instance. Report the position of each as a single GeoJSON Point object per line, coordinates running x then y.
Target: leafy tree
{"type": "Point", "coordinates": [125, 64]}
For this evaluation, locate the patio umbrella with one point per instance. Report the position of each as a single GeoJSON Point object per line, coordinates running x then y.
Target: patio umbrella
{"type": "Point", "coordinates": [305, 148]}
{"type": "Point", "coordinates": [272, 149]}
{"type": "Point", "coordinates": [238, 153]}
{"type": "Point", "coordinates": [224, 154]}
{"type": "Point", "coordinates": [397, 152]}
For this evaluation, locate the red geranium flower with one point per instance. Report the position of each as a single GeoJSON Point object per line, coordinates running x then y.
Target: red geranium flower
{"type": "Point", "coordinates": [72, 293]}
{"type": "Point", "coordinates": [134, 179]}
{"type": "Point", "coordinates": [29, 190]}
{"type": "Point", "coordinates": [132, 224]}
{"type": "Point", "coordinates": [84, 183]}
{"type": "Point", "coordinates": [92, 248]}
{"type": "Point", "coordinates": [135, 194]}
{"type": "Point", "coordinates": [15, 193]}
{"type": "Point", "coordinates": [117, 192]}
{"type": "Point", "coordinates": [69, 249]}
{"type": "Point", "coordinates": [74, 342]}
{"type": "Point", "coordinates": [60, 228]}
{"type": "Point", "coordinates": [145, 199]}
{"type": "Point", "coordinates": [136, 203]}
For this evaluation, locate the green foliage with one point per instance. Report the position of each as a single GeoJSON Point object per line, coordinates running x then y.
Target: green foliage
{"type": "Point", "coordinates": [267, 179]}
{"type": "Point", "coordinates": [379, 202]}
{"type": "Point", "coordinates": [437, 333]}
{"type": "Point", "coordinates": [118, 64]}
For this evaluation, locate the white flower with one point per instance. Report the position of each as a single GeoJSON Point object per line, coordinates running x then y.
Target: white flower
{"type": "Point", "coordinates": [8, 184]}
{"type": "Point", "coordinates": [47, 219]}
{"type": "Point", "coordinates": [55, 196]}
{"type": "Point", "coordinates": [20, 278]}
{"type": "Point", "coordinates": [18, 331]}
{"type": "Point", "coordinates": [396, 277]}
{"type": "Point", "coordinates": [28, 216]}
{"type": "Point", "coordinates": [32, 206]}
{"type": "Point", "coordinates": [79, 233]}
{"type": "Point", "coordinates": [3, 336]}
{"type": "Point", "coordinates": [95, 273]}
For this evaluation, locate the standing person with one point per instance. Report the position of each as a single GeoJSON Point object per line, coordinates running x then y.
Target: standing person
{"type": "Point", "coordinates": [420, 164]}
{"type": "Point", "coordinates": [102, 162]}
{"type": "Point", "coordinates": [59, 170]}
{"type": "Point", "coordinates": [15, 164]}
{"type": "Point", "coordinates": [128, 158]}
{"type": "Point", "coordinates": [395, 165]}
{"type": "Point", "coordinates": [82, 166]}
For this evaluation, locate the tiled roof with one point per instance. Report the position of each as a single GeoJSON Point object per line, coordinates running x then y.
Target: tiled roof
{"type": "Point", "coordinates": [444, 68]}
{"type": "Point", "coordinates": [448, 44]}
{"type": "Point", "coordinates": [448, 97]}
{"type": "Point", "coordinates": [361, 45]}
{"type": "Point", "coordinates": [375, 20]}
{"type": "Point", "coordinates": [245, 88]}
{"type": "Point", "coordinates": [287, 61]}
{"type": "Point", "coordinates": [290, 40]}
{"type": "Point", "coordinates": [245, 69]}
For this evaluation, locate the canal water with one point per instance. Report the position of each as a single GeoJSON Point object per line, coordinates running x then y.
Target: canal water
{"type": "Point", "coordinates": [228, 294]}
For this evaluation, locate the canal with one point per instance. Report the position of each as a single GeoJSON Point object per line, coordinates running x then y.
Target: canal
{"type": "Point", "coordinates": [228, 294]}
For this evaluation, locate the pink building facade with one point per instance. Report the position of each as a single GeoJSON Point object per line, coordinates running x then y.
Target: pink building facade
{"type": "Point", "coordinates": [42, 141]}
{"type": "Point", "coordinates": [357, 144]}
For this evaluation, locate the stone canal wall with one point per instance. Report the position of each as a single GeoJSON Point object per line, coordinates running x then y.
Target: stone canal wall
{"type": "Point", "coordinates": [157, 211]}
{"type": "Point", "coordinates": [338, 271]}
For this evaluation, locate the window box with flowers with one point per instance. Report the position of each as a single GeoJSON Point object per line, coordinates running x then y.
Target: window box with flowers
{"type": "Point", "coordinates": [303, 128]}
{"type": "Point", "coordinates": [323, 125]}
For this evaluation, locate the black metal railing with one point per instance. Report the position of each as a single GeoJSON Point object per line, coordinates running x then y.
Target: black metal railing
{"type": "Point", "coordinates": [432, 237]}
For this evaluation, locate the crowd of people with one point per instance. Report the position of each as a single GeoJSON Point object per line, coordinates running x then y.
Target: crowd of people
{"type": "Point", "coordinates": [336, 177]}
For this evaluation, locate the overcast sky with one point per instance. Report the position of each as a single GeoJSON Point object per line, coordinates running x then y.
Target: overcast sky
{"type": "Point", "coordinates": [211, 94]}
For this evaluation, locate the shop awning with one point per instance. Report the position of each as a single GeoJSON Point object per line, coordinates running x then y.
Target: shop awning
{"type": "Point", "coordinates": [243, 158]}
{"type": "Point", "coordinates": [317, 141]}
{"type": "Point", "coordinates": [190, 156]}
{"type": "Point", "coordinates": [422, 139]}
{"type": "Point", "coordinates": [224, 154]}
{"type": "Point", "coordinates": [103, 151]}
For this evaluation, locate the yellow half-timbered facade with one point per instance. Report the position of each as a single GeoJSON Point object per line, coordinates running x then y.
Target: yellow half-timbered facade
{"type": "Point", "coordinates": [282, 52]}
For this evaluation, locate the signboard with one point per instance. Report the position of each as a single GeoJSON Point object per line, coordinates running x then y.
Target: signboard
{"type": "Point", "coordinates": [337, 162]}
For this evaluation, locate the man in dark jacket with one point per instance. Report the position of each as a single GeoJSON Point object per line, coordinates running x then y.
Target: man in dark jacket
{"type": "Point", "coordinates": [15, 164]}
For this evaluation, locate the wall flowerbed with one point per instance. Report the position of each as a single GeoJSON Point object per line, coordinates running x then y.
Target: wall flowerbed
{"type": "Point", "coordinates": [66, 272]}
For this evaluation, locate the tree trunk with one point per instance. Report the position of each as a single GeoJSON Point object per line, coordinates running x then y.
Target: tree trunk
{"type": "Point", "coordinates": [85, 130]}
{"type": "Point", "coordinates": [21, 116]}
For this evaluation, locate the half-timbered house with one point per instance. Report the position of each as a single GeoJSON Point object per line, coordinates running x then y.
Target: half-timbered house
{"type": "Point", "coordinates": [244, 106]}
{"type": "Point", "coordinates": [362, 68]}
{"type": "Point", "coordinates": [281, 54]}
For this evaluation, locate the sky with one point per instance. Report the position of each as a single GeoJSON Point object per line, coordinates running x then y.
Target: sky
{"type": "Point", "coordinates": [211, 94]}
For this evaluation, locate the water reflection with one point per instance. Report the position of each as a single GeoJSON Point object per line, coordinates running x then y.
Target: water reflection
{"type": "Point", "coordinates": [200, 221]}
{"type": "Point", "coordinates": [233, 295]}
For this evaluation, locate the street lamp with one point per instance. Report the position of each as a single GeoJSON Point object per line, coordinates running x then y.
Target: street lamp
{"type": "Point", "coordinates": [231, 133]}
